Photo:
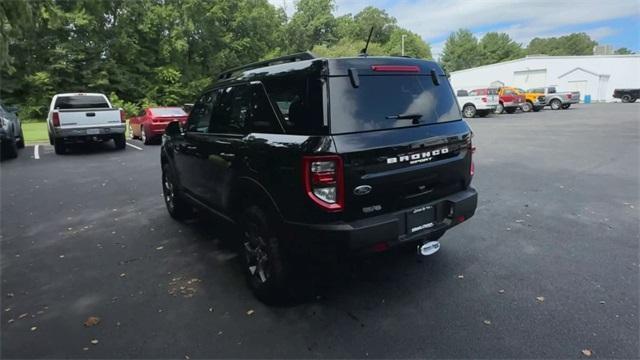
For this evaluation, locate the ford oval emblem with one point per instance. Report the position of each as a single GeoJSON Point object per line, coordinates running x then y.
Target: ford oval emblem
{"type": "Point", "coordinates": [362, 190]}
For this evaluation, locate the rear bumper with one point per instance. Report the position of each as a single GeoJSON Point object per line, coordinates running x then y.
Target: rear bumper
{"type": "Point", "coordinates": [509, 104]}
{"type": "Point", "coordinates": [388, 229]}
{"type": "Point", "coordinates": [89, 132]}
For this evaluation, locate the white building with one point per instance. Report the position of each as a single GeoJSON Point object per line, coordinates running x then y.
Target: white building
{"type": "Point", "coordinates": [592, 75]}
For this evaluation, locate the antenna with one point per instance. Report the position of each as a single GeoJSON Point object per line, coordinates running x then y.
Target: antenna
{"type": "Point", "coordinates": [363, 52]}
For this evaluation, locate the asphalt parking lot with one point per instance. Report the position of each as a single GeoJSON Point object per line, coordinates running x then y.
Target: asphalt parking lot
{"type": "Point", "coordinates": [547, 268]}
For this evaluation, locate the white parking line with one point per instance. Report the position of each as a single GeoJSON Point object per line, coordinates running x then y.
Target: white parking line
{"type": "Point", "coordinates": [36, 152]}
{"type": "Point", "coordinates": [135, 147]}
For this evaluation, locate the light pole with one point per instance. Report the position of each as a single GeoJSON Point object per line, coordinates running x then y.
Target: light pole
{"type": "Point", "coordinates": [403, 36]}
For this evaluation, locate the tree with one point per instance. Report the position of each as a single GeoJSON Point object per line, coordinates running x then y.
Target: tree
{"type": "Point", "coordinates": [497, 47]}
{"type": "Point", "coordinates": [414, 46]}
{"type": "Point", "coordinates": [312, 24]}
{"type": "Point", "coordinates": [572, 44]}
{"type": "Point", "coordinates": [461, 51]}
{"type": "Point", "coordinates": [382, 23]}
{"type": "Point", "coordinates": [623, 51]}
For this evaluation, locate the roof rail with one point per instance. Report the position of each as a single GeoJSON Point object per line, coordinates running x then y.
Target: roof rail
{"type": "Point", "coordinates": [307, 55]}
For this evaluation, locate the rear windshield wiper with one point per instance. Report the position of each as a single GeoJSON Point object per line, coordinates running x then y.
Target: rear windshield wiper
{"type": "Point", "coordinates": [413, 117]}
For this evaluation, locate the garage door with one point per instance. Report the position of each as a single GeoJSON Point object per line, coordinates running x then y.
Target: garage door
{"type": "Point", "coordinates": [530, 78]}
{"type": "Point", "coordinates": [578, 85]}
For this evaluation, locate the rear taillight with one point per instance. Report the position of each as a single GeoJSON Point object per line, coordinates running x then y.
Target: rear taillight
{"type": "Point", "coordinates": [123, 118]}
{"type": "Point", "coordinates": [568, 96]}
{"type": "Point", "coordinates": [324, 181]}
{"type": "Point", "coordinates": [395, 68]}
{"type": "Point", "coordinates": [55, 119]}
{"type": "Point", "coordinates": [484, 99]}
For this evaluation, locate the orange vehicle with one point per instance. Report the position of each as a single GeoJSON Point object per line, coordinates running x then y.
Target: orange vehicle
{"type": "Point", "coordinates": [533, 101]}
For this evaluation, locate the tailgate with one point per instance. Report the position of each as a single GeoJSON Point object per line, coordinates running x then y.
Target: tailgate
{"type": "Point", "coordinates": [77, 118]}
{"type": "Point", "coordinates": [404, 167]}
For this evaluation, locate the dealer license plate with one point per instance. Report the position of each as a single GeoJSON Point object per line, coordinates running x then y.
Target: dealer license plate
{"type": "Point", "coordinates": [420, 218]}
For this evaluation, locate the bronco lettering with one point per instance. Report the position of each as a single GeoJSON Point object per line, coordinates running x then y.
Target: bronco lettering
{"type": "Point", "coordinates": [416, 158]}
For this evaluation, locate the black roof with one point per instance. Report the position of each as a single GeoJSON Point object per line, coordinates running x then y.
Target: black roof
{"type": "Point", "coordinates": [330, 66]}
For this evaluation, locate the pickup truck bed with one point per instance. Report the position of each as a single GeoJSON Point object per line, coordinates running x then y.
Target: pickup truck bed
{"type": "Point", "coordinates": [84, 118]}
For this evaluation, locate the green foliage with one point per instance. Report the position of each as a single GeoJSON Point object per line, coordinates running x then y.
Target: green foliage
{"type": "Point", "coordinates": [497, 47]}
{"type": "Point", "coordinates": [623, 51]}
{"type": "Point", "coordinates": [572, 44]}
{"type": "Point", "coordinates": [414, 46]}
{"type": "Point", "coordinates": [461, 51]}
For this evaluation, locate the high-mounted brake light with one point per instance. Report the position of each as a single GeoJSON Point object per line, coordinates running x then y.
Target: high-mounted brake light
{"type": "Point", "coordinates": [55, 119]}
{"type": "Point", "coordinates": [323, 178]}
{"type": "Point", "coordinates": [122, 116]}
{"type": "Point", "coordinates": [395, 68]}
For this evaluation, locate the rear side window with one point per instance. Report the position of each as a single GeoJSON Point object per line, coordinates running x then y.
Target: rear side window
{"type": "Point", "coordinates": [492, 91]}
{"type": "Point", "coordinates": [298, 100]}
{"type": "Point", "coordinates": [508, 92]}
{"type": "Point", "coordinates": [243, 109]}
{"type": "Point", "coordinates": [389, 101]}
{"type": "Point", "coordinates": [80, 102]}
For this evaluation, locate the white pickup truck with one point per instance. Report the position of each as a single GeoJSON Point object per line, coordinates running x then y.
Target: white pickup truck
{"type": "Point", "coordinates": [84, 117]}
{"type": "Point", "coordinates": [477, 101]}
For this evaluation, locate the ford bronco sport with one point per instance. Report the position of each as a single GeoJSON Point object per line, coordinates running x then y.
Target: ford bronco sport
{"type": "Point", "coordinates": [355, 154]}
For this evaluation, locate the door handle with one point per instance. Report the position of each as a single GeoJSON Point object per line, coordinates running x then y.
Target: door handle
{"type": "Point", "coordinates": [227, 155]}
{"type": "Point", "coordinates": [190, 147]}
{"type": "Point", "coordinates": [221, 142]}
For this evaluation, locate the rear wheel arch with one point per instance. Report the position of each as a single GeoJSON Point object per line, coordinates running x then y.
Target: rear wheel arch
{"type": "Point", "coordinates": [250, 191]}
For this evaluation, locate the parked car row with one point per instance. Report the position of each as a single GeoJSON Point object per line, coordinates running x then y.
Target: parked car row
{"type": "Point", "coordinates": [509, 99]}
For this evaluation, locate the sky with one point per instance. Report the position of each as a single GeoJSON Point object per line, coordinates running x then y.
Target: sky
{"type": "Point", "coordinates": [612, 22]}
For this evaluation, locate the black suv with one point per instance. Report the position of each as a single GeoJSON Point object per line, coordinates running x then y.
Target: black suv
{"type": "Point", "coordinates": [355, 154]}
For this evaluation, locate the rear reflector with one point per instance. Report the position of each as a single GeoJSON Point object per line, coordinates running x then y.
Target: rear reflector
{"type": "Point", "coordinates": [484, 99]}
{"type": "Point", "coordinates": [122, 116]}
{"type": "Point", "coordinates": [324, 181]}
{"type": "Point", "coordinates": [55, 119]}
{"type": "Point", "coordinates": [380, 247]}
{"type": "Point", "coordinates": [395, 68]}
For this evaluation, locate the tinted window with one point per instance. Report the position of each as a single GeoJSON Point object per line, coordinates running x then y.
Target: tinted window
{"type": "Point", "coordinates": [463, 93]}
{"type": "Point", "coordinates": [508, 92]}
{"type": "Point", "coordinates": [232, 110]}
{"type": "Point", "coordinates": [551, 90]}
{"type": "Point", "coordinates": [263, 119]}
{"type": "Point", "coordinates": [492, 91]}
{"type": "Point", "coordinates": [474, 93]}
{"type": "Point", "coordinates": [201, 113]}
{"type": "Point", "coordinates": [168, 111]}
{"type": "Point", "coordinates": [80, 102]}
{"type": "Point", "coordinates": [378, 99]}
{"type": "Point", "coordinates": [298, 100]}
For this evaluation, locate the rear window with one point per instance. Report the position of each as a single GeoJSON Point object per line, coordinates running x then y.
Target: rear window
{"type": "Point", "coordinates": [168, 111]}
{"type": "Point", "coordinates": [389, 101]}
{"type": "Point", "coordinates": [80, 102]}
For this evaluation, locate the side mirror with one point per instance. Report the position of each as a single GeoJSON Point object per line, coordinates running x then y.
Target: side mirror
{"type": "Point", "coordinates": [173, 129]}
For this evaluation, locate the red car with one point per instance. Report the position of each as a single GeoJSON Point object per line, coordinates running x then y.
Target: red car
{"type": "Point", "coordinates": [150, 123]}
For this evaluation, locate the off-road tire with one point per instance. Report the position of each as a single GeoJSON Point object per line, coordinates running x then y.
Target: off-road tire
{"type": "Point", "coordinates": [20, 143]}
{"type": "Point", "coordinates": [499, 109]}
{"type": "Point", "coordinates": [626, 98]}
{"type": "Point", "coordinates": [527, 106]}
{"type": "Point", "coordinates": [147, 140]}
{"type": "Point", "coordinates": [264, 256]}
{"type": "Point", "coordinates": [555, 104]}
{"type": "Point", "coordinates": [177, 206]}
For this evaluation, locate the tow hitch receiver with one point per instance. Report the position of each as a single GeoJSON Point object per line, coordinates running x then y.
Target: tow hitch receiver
{"type": "Point", "coordinates": [429, 248]}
